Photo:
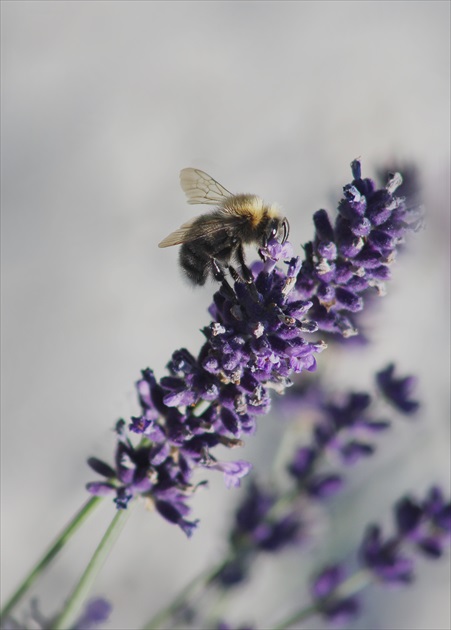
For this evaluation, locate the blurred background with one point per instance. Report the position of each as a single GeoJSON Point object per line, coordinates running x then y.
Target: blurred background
{"type": "Point", "coordinates": [102, 104]}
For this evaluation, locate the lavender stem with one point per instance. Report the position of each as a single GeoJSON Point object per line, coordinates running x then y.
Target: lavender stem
{"type": "Point", "coordinates": [60, 542]}
{"type": "Point", "coordinates": [67, 617]}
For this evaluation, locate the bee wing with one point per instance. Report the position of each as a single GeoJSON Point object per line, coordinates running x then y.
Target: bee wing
{"type": "Point", "coordinates": [201, 188]}
{"type": "Point", "coordinates": [189, 232]}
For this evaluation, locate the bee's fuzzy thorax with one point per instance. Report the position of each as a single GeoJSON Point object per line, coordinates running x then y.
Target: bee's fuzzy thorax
{"type": "Point", "coordinates": [251, 207]}
{"type": "Point", "coordinates": [273, 211]}
{"type": "Point", "coordinates": [244, 205]}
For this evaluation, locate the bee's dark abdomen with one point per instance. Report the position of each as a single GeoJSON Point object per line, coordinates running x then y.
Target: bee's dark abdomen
{"type": "Point", "coordinates": [195, 263]}
{"type": "Point", "coordinates": [196, 256]}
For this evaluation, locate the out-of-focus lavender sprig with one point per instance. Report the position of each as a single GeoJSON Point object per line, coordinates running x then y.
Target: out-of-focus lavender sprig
{"type": "Point", "coordinates": [257, 340]}
{"type": "Point", "coordinates": [344, 425]}
{"type": "Point", "coordinates": [421, 527]}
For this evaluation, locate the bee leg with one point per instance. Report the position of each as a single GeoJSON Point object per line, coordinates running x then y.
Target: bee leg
{"type": "Point", "coordinates": [217, 270]}
{"type": "Point", "coordinates": [247, 273]}
{"type": "Point", "coordinates": [248, 278]}
{"type": "Point", "coordinates": [235, 275]}
{"type": "Point", "coordinates": [218, 273]}
{"type": "Point", "coordinates": [249, 281]}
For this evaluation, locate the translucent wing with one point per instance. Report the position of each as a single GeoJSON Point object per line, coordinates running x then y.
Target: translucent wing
{"type": "Point", "coordinates": [190, 231]}
{"type": "Point", "coordinates": [201, 188]}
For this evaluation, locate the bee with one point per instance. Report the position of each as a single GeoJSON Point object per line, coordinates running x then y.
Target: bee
{"type": "Point", "coordinates": [212, 242]}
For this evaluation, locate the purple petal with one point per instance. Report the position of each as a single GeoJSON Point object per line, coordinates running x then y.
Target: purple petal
{"type": "Point", "coordinates": [233, 471]}
{"type": "Point", "coordinates": [325, 486]}
{"type": "Point", "coordinates": [327, 581]}
{"type": "Point", "coordinates": [101, 488]}
{"type": "Point", "coordinates": [348, 300]}
{"type": "Point", "coordinates": [323, 226]}
{"type": "Point", "coordinates": [408, 516]}
{"type": "Point", "coordinates": [100, 467]}
{"type": "Point", "coordinates": [431, 547]}
{"type": "Point", "coordinates": [181, 398]}
{"type": "Point", "coordinates": [353, 451]}
{"type": "Point", "coordinates": [96, 611]}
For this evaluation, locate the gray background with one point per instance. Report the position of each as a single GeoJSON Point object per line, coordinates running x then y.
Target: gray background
{"type": "Point", "coordinates": [102, 104]}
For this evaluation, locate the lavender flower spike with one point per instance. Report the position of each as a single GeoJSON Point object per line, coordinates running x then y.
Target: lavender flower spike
{"type": "Point", "coordinates": [254, 344]}
{"type": "Point", "coordinates": [258, 338]}
{"type": "Point", "coordinates": [397, 390]}
{"type": "Point", "coordinates": [426, 524]}
{"type": "Point", "coordinates": [352, 256]}
{"type": "Point", "coordinates": [333, 607]}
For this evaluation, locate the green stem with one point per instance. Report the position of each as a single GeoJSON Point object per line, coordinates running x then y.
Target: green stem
{"type": "Point", "coordinates": [353, 585]}
{"type": "Point", "coordinates": [79, 594]}
{"type": "Point", "coordinates": [63, 538]}
{"type": "Point", "coordinates": [203, 579]}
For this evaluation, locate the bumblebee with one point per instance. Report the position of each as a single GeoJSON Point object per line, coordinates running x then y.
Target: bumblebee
{"type": "Point", "coordinates": [212, 242]}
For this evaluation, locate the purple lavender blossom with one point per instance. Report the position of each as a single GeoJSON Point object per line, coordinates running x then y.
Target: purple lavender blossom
{"type": "Point", "coordinates": [352, 256]}
{"type": "Point", "coordinates": [325, 593]}
{"type": "Point", "coordinates": [426, 524]}
{"type": "Point", "coordinates": [257, 526]}
{"type": "Point", "coordinates": [387, 560]}
{"type": "Point", "coordinates": [343, 424]}
{"type": "Point", "coordinates": [258, 529]}
{"type": "Point", "coordinates": [96, 612]}
{"type": "Point", "coordinates": [257, 340]}
{"type": "Point", "coordinates": [397, 390]}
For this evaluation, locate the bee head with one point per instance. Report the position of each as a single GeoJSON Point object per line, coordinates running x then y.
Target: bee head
{"type": "Point", "coordinates": [277, 227]}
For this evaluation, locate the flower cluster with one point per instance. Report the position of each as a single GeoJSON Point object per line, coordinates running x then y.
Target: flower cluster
{"type": "Point", "coordinates": [344, 425]}
{"type": "Point", "coordinates": [424, 526]}
{"type": "Point", "coordinates": [259, 527]}
{"type": "Point", "coordinates": [353, 255]}
{"type": "Point", "coordinates": [258, 338]}
{"type": "Point", "coordinates": [397, 390]}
